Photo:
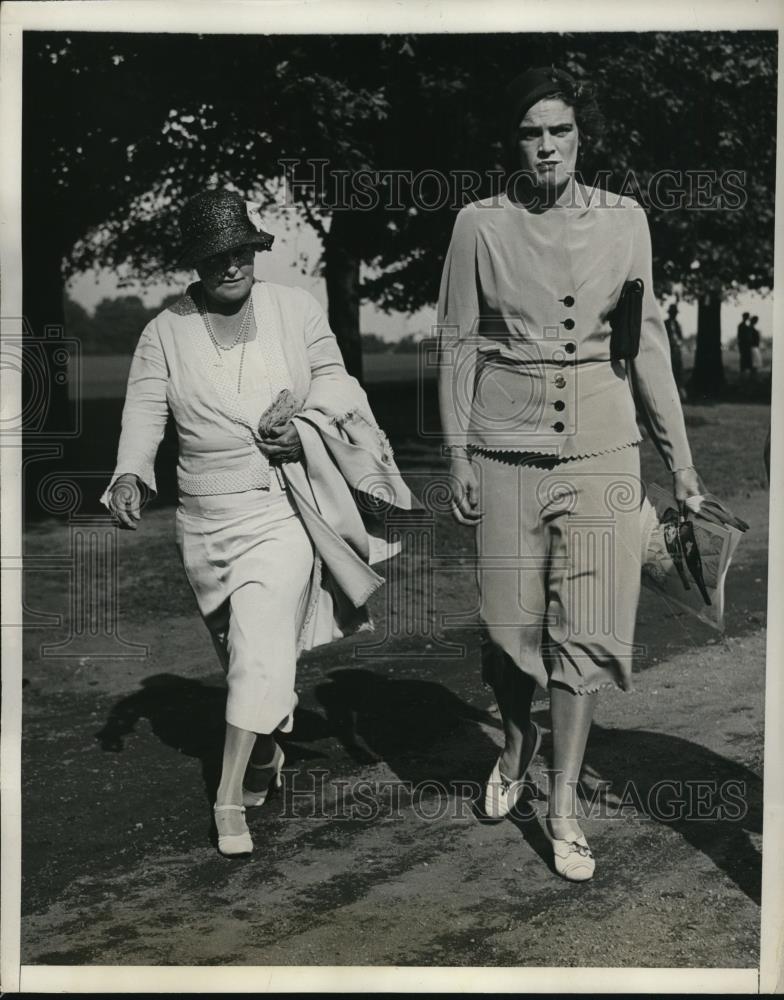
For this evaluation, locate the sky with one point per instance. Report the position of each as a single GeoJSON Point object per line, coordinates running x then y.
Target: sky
{"type": "Point", "coordinates": [281, 265]}
{"type": "Point", "coordinates": [296, 242]}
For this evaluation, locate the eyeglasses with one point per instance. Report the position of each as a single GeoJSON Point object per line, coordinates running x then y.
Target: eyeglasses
{"type": "Point", "coordinates": [682, 547]}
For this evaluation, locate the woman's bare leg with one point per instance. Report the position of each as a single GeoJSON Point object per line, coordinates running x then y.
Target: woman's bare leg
{"type": "Point", "coordinates": [571, 716]}
{"type": "Point", "coordinates": [514, 692]}
{"type": "Point", "coordinates": [236, 753]}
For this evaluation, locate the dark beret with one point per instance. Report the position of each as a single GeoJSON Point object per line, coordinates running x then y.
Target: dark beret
{"type": "Point", "coordinates": [534, 84]}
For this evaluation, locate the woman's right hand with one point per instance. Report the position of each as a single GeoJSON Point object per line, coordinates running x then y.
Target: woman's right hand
{"type": "Point", "coordinates": [125, 500]}
{"type": "Point", "coordinates": [282, 443]}
{"type": "Point", "coordinates": [465, 491]}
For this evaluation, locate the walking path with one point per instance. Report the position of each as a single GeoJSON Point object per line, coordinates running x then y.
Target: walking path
{"type": "Point", "coordinates": [119, 758]}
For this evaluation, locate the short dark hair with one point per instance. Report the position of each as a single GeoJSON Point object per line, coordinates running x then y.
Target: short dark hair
{"type": "Point", "coordinates": [587, 114]}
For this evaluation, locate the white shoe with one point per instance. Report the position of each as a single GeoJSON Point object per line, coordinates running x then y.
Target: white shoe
{"type": "Point", "coordinates": [231, 844]}
{"type": "Point", "coordinates": [502, 794]}
{"type": "Point", "coordinates": [274, 767]}
{"type": "Point", "coordinates": [572, 858]}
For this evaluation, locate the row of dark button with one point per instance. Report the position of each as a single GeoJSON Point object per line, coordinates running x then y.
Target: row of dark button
{"type": "Point", "coordinates": [560, 381]}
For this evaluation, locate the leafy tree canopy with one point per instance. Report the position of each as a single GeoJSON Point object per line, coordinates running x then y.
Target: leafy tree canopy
{"type": "Point", "coordinates": [122, 128]}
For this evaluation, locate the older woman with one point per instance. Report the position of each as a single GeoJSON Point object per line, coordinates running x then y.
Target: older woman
{"type": "Point", "coordinates": [276, 443]}
{"type": "Point", "coordinates": [539, 417]}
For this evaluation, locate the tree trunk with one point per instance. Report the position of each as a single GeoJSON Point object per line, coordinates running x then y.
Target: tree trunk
{"type": "Point", "coordinates": [48, 411]}
{"type": "Point", "coordinates": [341, 266]}
{"type": "Point", "coordinates": [707, 378]}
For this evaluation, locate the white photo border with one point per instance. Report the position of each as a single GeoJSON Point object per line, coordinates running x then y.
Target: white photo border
{"type": "Point", "coordinates": [356, 17]}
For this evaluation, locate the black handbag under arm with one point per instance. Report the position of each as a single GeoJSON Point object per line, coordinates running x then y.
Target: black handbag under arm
{"type": "Point", "coordinates": [626, 321]}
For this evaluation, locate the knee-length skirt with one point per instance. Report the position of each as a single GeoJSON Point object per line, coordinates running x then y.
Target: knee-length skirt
{"type": "Point", "coordinates": [248, 559]}
{"type": "Point", "coordinates": [559, 566]}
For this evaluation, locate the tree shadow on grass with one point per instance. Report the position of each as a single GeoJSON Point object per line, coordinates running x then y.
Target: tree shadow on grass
{"type": "Point", "coordinates": [714, 803]}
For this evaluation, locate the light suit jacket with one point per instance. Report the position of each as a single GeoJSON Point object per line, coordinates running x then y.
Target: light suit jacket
{"type": "Point", "coordinates": [523, 307]}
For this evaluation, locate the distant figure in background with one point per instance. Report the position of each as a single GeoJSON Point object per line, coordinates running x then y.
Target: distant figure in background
{"type": "Point", "coordinates": [744, 345]}
{"type": "Point", "coordinates": [675, 337]}
{"type": "Point", "coordinates": [756, 353]}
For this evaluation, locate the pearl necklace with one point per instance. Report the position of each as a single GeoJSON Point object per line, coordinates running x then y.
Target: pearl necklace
{"type": "Point", "coordinates": [243, 333]}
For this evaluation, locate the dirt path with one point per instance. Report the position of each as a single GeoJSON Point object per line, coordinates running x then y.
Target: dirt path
{"type": "Point", "coordinates": [120, 757]}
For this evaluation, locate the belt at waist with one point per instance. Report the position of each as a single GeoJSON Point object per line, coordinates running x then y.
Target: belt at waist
{"type": "Point", "coordinates": [221, 504]}
{"type": "Point", "coordinates": [563, 356]}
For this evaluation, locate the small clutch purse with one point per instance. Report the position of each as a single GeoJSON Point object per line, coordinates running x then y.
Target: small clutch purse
{"type": "Point", "coordinates": [626, 322]}
{"type": "Point", "coordinates": [281, 409]}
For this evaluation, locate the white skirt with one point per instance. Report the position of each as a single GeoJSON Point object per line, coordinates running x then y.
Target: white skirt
{"type": "Point", "coordinates": [248, 559]}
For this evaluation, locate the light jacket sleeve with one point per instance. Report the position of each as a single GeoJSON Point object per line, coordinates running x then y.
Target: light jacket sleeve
{"type": "Point", "coordinates": [144, 413]}
{"type": "Point", "coordinates": [328, 375]}
{"type": "Point", "coordinates": [652, 377]}
{"type": "Point", "coordinates": [333, 391]}
{"type": "Point", "coordinates": [458, 323]}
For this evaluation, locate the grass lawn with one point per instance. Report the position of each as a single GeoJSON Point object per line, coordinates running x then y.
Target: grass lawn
{"type": "Point", "coordinates": [726, 441]}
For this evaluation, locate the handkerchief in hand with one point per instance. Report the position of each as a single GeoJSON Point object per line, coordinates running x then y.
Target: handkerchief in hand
{"type": "Point", "coordinates": [280, 411]}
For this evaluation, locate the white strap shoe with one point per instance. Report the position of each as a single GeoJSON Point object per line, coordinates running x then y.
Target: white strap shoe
{"type": "Point", "coordinates": [502, 794]}
{"type": "Point", "coordinates": [231, 844]}
{"type": "Point", "coordinates": [250, 798]}
{"type": "Point", "coordinates": [572, 858]}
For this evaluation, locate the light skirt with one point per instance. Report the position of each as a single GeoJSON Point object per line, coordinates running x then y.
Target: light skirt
{"type": "Point", "coordinates": [248, 559]}
{"type": "Point", "coordinates": [559, 566]}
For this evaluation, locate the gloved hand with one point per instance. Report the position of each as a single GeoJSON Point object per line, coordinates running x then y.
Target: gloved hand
{"type": "Point", "coordinates": [713, 510]}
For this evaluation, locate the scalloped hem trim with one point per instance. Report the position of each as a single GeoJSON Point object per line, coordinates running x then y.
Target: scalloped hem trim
{"type": "Point", "coordinates": [511, 456]}
{"type": "Point", "coordinates": [585, 690]}
{"type": "Point", "coordinates": [594, 688]}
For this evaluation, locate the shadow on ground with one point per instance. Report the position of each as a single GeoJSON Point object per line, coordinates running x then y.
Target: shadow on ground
{"type": "Point", "coordinates": [423, 732]}
{"type": "Point", "coordinates": [712, 802]}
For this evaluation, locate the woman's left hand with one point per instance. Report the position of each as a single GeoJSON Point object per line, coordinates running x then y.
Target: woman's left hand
{"type": "Point", "coordinates": [282, 444]}
{"type": "Point", "coordinates": [686, 483]}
